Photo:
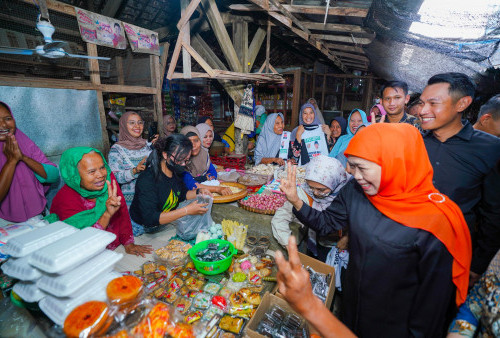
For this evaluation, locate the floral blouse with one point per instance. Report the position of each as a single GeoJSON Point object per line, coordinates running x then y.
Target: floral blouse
{"type": "Point", "coordinates": [481, 310]}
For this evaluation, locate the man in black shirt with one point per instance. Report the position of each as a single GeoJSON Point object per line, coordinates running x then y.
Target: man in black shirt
{"type": "Point", "coordinates": [395, 96]}
{"type": "Point", "coordinates": [465, 162]}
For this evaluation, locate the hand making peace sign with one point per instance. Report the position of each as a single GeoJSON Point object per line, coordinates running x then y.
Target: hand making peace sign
{"type": "Point", "coordinates": [114, 201]}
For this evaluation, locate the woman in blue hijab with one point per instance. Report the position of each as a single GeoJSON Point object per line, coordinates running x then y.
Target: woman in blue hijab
{"type": "Point", "coordinates": [357, 117]}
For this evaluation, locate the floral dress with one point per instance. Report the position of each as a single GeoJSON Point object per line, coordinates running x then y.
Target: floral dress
{"type": "Point", "coordinates": [481, 310]}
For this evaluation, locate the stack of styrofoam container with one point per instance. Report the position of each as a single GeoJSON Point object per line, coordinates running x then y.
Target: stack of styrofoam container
{"type": "Point", "coordinates": [61, 267]}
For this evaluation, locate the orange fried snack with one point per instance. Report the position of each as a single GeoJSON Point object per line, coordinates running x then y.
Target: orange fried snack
{"type": "Point", "coordinates": [156, 324]}
{"type": "Point", "coordinates": [87, 319]}
{"type": "Point", "coordinates": [123, 289]}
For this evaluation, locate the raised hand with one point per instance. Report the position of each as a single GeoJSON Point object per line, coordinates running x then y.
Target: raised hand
{"type": "Point", "coordinates": [11, 149]}
{"type": "Point", "coordinates": [141, 166]}
{"type": "Point", "coordinates": [326, 130]}
{"type": "Point", "coordinates": [113, 202]}
{"type": "Point", "coordinates": [289, 186]}
{"type": "Point", "coordinates": [293, 279]}
{"type": "Point", "coordinates": [300, 131]}
{"type": "Point", "coordinates": [382, 119]}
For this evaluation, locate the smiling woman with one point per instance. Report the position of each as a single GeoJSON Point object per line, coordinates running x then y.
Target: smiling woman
{"type": "Point", "coordinates": [415, 239]}
{"type": "Point", "coordinates": [127, 157]}
{"type": "Point", "coordinates": [24, 170]}
{"type": "Point", "coordinates": [91, 197]}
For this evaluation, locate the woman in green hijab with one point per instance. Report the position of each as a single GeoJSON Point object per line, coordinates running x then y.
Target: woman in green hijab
{"type": "Point", "coordinates": [91, 197]}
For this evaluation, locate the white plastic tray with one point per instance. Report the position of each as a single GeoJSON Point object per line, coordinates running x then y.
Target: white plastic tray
{"type": "Point", "coordinates": [29, 292]}
{"type": "Point", "coordinates": [19, 268]}
{"type": "Point", "coordinates": [68, 252]}
{"type": "Point", "coordinates": [27, 243]}
{"type": "Point", "coordinates": [58, 309]}
{"type": "Point", "coordinates": [10, 231]}
{"type": "Point", "coordinates": [70, 284]}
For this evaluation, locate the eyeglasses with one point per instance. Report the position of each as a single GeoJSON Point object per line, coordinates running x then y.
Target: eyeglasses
{"type": "Point", "coordinates": [135, 123]}
{"type": "Point", "coordinates": [182, 162]}
{"type": "Point", "coordinates": [323, 192]}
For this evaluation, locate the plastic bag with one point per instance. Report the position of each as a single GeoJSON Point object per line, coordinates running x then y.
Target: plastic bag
{"type": "Point", "coordinates": [189, 225]}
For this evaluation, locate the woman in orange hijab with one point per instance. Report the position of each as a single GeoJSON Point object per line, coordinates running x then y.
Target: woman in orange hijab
{"type": "Point", "coordinates": [410, 248]}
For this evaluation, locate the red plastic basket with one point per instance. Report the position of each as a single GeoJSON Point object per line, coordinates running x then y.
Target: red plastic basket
{"type": "Point", "coordinates": [218, 160]}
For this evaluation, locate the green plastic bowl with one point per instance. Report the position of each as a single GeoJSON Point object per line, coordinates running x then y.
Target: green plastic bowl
{"type": "Point", "coordinates": [212, 268]}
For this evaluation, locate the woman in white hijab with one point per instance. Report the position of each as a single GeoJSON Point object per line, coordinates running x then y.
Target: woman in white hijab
{"type": "Point", "coordinates": [325, 176]}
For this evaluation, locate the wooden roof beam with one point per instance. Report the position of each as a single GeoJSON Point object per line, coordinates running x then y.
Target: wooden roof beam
{"type": "Point", "coordinates": [341, 38]}
{"type": "Point", "coordinates": [345, 48]}
{"type": "Point", "coordinates": [320, 10]}
{"type": "Point", "coordinates": [221, 34]}
{"type": "Point", "coordinates": [336, 27]}
{"type": "Point", "coordinates": [306, 36]}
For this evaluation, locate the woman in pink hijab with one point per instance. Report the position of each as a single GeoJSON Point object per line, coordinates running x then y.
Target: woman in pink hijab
{"type": "Point", "coordinates": [25, 172]}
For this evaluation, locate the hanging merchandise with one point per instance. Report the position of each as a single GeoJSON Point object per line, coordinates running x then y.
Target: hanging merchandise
{"type": "Point", "coordinates": [245, 116]}
{"type": "Point", "coordinates": [117, 107]}
{"type": "Point", "coordinates": [206, 107]}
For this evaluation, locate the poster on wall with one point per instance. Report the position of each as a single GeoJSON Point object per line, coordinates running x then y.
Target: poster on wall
{"type": "Point", "coordinates": [100, 30]}
{"type": "Point", "coordinates": [142, 40]}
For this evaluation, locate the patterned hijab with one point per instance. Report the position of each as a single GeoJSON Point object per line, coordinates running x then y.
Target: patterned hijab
{"type": "Point", "coordinates": [329, 172]}
{"type": "Point", "coordinates": [125, 139]}
{"type": "Point", "coordinates": [198, 165]}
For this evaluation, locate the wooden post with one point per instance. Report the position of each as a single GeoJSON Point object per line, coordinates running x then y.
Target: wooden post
{"type": "Point", "coordinates": [268, 46]}
{"type": "Point", "coordinates": [323, 93]}
{"type": "Point", "coordinates": [119, 70]}
{"type": "Point", "coordinates": [343, 94]}
{"type": "Point", "coordinates": [186, 40]}
{"type": "Point", "coordinates": [240, 40]}
{"type": "Point", "coordinates": [297, 74]}
{"type": "Point", "coordinates": [156, 83]}
{"type": "Point", "coordinates": [95, 79]}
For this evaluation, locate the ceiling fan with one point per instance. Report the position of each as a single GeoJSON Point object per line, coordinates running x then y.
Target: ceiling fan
{"type": "Point", "coordinates": [51, 49]}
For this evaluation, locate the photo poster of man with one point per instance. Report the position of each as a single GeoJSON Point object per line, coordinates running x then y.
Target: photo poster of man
{"type": "Point", "coordinates": [100, 30]}
{"type": "Point", "coordinates": [142, 40]}
{"type": "Point", "coordinates": [284, 145]}
{"type": "Point", "coordinates": [315, 142]}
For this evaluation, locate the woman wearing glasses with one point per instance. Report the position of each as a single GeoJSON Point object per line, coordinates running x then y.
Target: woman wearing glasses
{"type": "Point", "coordinates": [160, 189]}
{"type": "Point", "coordinates": [325, 176]}
{"type": "Point", "coordinates": [127, 157]}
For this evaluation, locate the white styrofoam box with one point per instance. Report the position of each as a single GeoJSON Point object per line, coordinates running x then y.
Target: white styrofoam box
{"type": "Point", "coordinates": [57, 309]}
{"type": "Point", "coordinates": [29, 292]}
{"type": "Point", "coordinates": [20, 268]}
{"type": "Point", "coordinates": [68, 252]}
{"type": "Point", "coordinates": [10, 231]}
{"type": "Point", "coordinates": [27, 243]}
{"type": "Point", "coordinates": [70, 283]}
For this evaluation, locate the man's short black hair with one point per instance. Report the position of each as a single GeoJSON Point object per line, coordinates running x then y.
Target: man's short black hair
{"type": "Point", "coordinates": [460, 84]}
{"type": "Point", "coordinates": [492, 106]}
{"type": "Point", "coordinates": [394, 84]}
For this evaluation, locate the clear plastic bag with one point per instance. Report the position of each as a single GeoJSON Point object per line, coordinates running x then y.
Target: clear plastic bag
{"type": "Point", "coordinates": [189, 225]}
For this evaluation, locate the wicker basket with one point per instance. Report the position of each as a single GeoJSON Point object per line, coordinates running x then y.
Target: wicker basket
{"type": "Point", "coordinates": [258, 211]}
{"type": "Point", "coordinates": [234, 197]}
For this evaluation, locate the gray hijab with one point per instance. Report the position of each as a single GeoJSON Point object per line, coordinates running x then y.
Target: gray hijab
{"type": "Point", "coordinates": [268, 142]}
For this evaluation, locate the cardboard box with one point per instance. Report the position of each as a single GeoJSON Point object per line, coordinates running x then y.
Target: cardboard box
{"type": "Point", "coordinates": [267, 302]}
{"type": "Point", "coordinates": [318, 266]}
